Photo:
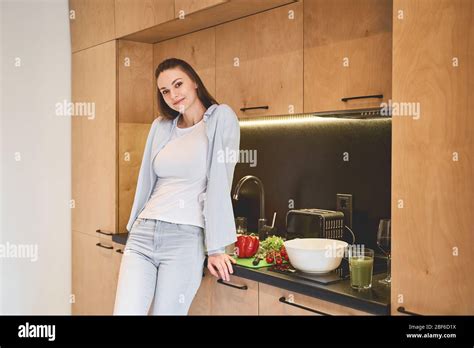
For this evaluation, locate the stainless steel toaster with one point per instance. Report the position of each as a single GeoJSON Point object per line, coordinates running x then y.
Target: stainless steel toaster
{"type": "Point", "coordinates": [314, 223]}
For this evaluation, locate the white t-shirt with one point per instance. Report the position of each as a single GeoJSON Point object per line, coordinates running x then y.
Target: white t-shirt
{"type": "Point", "coordinates": [181, 169]}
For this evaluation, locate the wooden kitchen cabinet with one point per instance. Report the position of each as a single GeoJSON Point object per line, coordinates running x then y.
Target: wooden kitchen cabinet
{"type": "Point", "coordinates": [269, 303]}
{"type": "Point", "coordinates": [259, 62]}
{"type": "Point", "coordinates": [347, 53]}
{"type": "Point", "coordinates": [136, 82]}
{"type": "Point", "coordinates": [194, 15]}
{"type": "Point", "coordinates": [107, 150]}
{"type": "Point", "coordinates": [198, 49]}
{"type": "Point", "coordinates": [134, 15]}
{"type": "Point", "coordinates": [93, 134]}
{"type": "Point", "coordinates": [229, 298]}
{"type": "Point", "coordinates": [107, 147]}
{"type": "Point", "coordinates": [239, 296]}
{"type": "Point", "coordinates": [95, 269]}
{"type": "Point", "coordinates": [202, 301]}
{"type": "Point", "coordinates": [185, 7]}
{"type": "Point", "coordinates": [432, 163]}
{"type": "Point", "coordinates": [136, 85]}
{"type": "Point", "coordinates": [91, 22]}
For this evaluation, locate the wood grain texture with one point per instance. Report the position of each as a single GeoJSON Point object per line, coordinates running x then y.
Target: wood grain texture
{"type": "Point", "coordinates": [93, 24]}
{"type": "Point", "coordinates": [360, 31]}
{"type": "Point", "coordinates": [436, 191]}
{"type": "Point", "coordinates": [189, 6]}
{"type": "Point", "coordinates": [211, 16]}
{"type": "Point", "coordinates": [132, 140]}
{"type": "Point", "coordinates": [134, 15]}
{"type": "Point", "coordinates": [227, 300]}
{"type": "Point", "coordinates": [94, 175]}
{"type": "Point", "coordinates": [269, 304]}
{"type": "Point", "coordinates": [201, 304]}
{"type": "Point", "coordinates": [197, 49]}
{"type": "Point", "coordinates": [95, 273]}
{"type": "Point", "coordinates": [259, 61]}
{"type": "Point", "coordinates": [136, 82]}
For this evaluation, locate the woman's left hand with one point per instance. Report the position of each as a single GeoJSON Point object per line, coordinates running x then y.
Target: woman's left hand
{"type": "Point", "coordinates": [220, 265]}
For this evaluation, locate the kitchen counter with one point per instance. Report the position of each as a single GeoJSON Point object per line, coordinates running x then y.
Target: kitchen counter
{"type": "Point", "coordinates": [375, 300]}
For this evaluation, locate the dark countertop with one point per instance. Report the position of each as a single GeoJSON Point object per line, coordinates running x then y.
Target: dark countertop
{"type": "Point", "coordinates": [375, 300]}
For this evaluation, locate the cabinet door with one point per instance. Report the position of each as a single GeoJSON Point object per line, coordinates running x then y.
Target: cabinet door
{"type": "Point", "coordinates": [94, 182]}
{"type": "Point", "coordinates": [202, 301]}
{"type": "Point", "coordinates": [135, 15]}
{"type": "Point", "coordinates": [185, 7]}
{"type": "Point", "coordinates": [259, 62]}
{"type": "Point", "coordinates": [277, 301]}
{"type": "Point", "coordinates": [95, 267]}
{"type": "Point", "coordinates": [239, 296]}
{"type": "Point", "coordinates": [91, 22]}
{"type": "Point", "coordinates": [432, 163]}
{"type": "Point", "coordinates": [347, 53]}
{"type": "Point", "coordinates": [135, 115]}
{"type": "Point", "coordinates": [197, 49]}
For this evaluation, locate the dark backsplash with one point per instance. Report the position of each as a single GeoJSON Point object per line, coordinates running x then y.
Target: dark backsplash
{"type": "Point", "coordinates": [301, 158]}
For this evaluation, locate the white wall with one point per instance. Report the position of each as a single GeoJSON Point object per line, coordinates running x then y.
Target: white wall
{"type": "Point", "coordinates": [35, 180]}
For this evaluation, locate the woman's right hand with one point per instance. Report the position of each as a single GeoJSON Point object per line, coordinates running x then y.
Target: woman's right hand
{"type": "Point", "coordinates": [220, 265]}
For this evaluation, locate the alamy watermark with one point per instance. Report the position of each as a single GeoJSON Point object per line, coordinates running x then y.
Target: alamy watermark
{"type": "Point", "coordinates": [28, 330]}
{"type": "Point", "coordinates": [27, 251]}
{"type": "Point", "coordinates": [241, 156]}
{"type": "Point", "coordinates": [83, 109]}
{"type": "Point", "coordinates": [334, 249]}
{"type": "Point", "coordinates": [411, 109]}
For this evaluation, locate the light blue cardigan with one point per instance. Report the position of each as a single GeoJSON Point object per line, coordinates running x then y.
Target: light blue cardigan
{"type": "Point", "coordinates": [223, 132]}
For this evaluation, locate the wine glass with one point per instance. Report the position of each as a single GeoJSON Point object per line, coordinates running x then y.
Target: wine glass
{"type": "Point", "coordinates": [241, 225]}
{"type": "Point", "coordinates": [384, 242]}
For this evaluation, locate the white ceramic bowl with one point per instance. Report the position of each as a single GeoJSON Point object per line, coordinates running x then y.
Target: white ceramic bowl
{"type": "Point", "coordinates": [315, 255]}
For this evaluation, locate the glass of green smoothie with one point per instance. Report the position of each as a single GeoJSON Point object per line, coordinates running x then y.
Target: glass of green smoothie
{"type": "Point", "coordinates": [361, 265]}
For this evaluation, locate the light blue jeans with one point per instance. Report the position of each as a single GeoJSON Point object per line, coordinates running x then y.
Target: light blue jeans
{"type": "Point", "coordinates": [162, 267]}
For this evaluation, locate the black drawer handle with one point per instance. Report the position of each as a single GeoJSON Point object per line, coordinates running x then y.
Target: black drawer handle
{"type": "Point", "coordinates": [104, 246]}
{"type": "Point", "coordinates": [103, 232]}
{"type": "Point", "coordinates": [240, 287]}
{"type": "Point", "coordinates": [402, 310]}
{"type": "Point", "coordinates": [378, 96]}
{"type": "Point", "coordinates": [120, 251]}
{"type": "Point", "coordinates": [283, 300]}
{"type": "Point", "coordinates": [254, 107]}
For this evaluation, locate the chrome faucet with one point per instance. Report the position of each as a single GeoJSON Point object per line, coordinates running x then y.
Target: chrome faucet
{"type": "Point", "coordinates": [262, 220]}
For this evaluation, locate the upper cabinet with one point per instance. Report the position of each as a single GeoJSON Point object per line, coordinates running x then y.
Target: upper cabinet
{"type": "Point", "coordinates": [135, 15]}
{"type": "Point", "coordinates": [347, 54]}
{"type": "Point", "coordinates": [259, 62]}
{"type": "Point", "coordinates": [189, 16]}
{"type": "Point", "coordinates": [91, 22]}
{"type": "Point", "coordinates": [132, 16]}
{"type": "Point", "coordinates": [198, 49]}
{"type": "Point", "coordinates": [135, 82]}
{"type": "Point", "coordinates": [185, 7]}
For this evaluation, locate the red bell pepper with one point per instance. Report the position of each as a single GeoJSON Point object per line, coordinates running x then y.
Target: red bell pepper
{"type": "Point", "coordinates": [247, 246]}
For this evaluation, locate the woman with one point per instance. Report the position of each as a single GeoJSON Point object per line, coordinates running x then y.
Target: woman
{"type": "Point", "coordinates": [182, 207]}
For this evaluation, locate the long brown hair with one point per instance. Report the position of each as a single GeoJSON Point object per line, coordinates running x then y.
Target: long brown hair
{"type": "Point", "coordinates": [203, 94]}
